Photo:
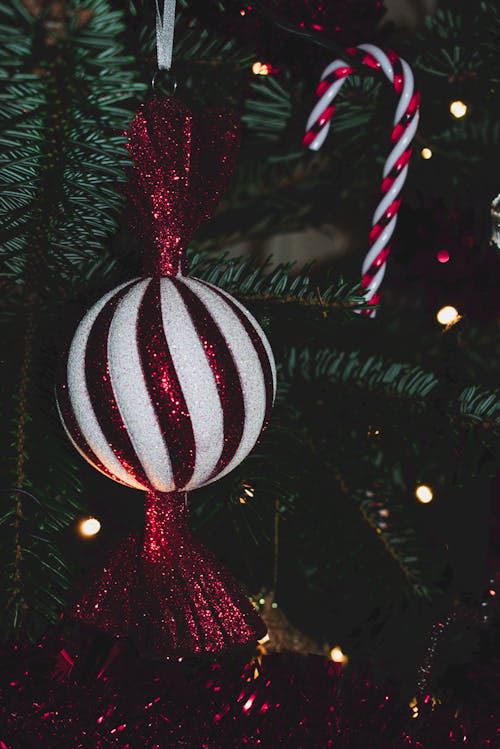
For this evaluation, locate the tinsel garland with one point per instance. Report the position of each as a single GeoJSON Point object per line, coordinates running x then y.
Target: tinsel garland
{"type": "Point", "coordinates": [109, 697]}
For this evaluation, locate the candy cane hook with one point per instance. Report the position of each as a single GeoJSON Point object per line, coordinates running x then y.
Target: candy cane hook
{"type": "Point", "coordinates": [395, 171]}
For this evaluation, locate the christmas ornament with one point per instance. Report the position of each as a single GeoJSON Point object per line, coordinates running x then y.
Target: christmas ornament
{"type": "Point", "coordinates": [169, 383]}
{"type": "Point", "coordinates": [395, 171]}
{"type": "Point", "coordinates": [166, 386]}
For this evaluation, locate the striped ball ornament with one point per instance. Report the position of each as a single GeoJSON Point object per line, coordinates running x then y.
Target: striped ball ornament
{"type": "Point", "coordinates": [167, 384]}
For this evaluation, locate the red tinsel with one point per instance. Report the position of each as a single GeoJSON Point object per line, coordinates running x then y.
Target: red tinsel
{"type": "Point", "coordinates": [108, 697]}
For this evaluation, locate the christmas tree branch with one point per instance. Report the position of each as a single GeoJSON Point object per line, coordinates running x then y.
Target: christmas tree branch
{"type": "Point", "coordinates": [253, 281]}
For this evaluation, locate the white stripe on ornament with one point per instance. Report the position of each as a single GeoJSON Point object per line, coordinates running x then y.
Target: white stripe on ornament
{"type": "Point", "coordinates": [248, 365]}
{"type": "Point", "coordinates": [80, 399]}
{"type": "Point", "coordinates": [196, 379]}
{"type": "Point", "coordinates": [258, 330]}
{"type": "Point", "coordinates": [131, 392]}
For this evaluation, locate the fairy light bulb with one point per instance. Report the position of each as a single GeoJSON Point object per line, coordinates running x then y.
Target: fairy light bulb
{"type": "Point", "coordinates": [89, 527]}
{"type": "Point", "coordinates": [424, 494]}
{"type": "Point", "coordinates": [248, 493]}
{"type": "Point", "coordinates": [447, 315]}
{"type": "Point", "coordinates": [261, 68]}
{"type": "Point", "coordinates": [426, 153]}
{"type": "Point", "coordinates": [338, 656]}
{"type": "Point", "coordinates": [414, 707]}
{"type": "Point", "coordinates": [458, 109]}
{"type": "Point", "coordinates": [443, 256]}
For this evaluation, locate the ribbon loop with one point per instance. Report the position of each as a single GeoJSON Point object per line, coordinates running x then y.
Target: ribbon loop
{"type": "Point", "coordinates": [165, 26]}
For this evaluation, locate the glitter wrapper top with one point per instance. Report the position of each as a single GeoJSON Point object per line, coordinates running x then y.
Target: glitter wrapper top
{"type": "Point", "coordinates": [182, 165]}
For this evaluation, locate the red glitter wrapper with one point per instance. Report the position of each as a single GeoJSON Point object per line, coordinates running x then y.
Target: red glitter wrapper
{"type": "Point", "coordinates": [183, 162]}
{"type": "Point", "coordinates": [169, 596]}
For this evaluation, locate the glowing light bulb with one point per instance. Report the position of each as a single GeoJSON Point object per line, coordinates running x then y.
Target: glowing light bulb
{"type": "Point", "coordinates": [89, 527]}
{"type": "Point", "coordinates": [264, 639]}
{"type": "Point", "coordinates": [448, 315]}
{"type": "Point", "coordinates": [426, 153]}
{"type": "Point", "coordinates": [443, 256]}
{"type": "Point", "coordinates": [414, 707]}
{"type": "Point", "coordinates": [261, 68]}
{"type": "Point", "coordinates": [424, 494]}
{"type": "Point", "coordinates": [248, 493]}
{"type": "Point", "coordinates": [338, 656]}
{"type": "Point", "coordinates": [458, 109]}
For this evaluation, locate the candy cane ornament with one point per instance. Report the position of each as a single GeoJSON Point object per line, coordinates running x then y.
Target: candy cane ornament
{"type": "Point", "coordinates": [395, 171]}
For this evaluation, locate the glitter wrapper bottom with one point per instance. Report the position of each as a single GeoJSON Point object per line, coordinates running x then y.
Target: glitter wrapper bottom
{"type": "Point", "coordinates": [169, 595]}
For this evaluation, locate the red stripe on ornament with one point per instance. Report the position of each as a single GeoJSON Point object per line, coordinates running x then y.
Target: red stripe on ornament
{"type": "Point", "coordinates": [392, 210]}
{"type": "Point", "coordinates": [397, 132]}
{"type": "Point", "coordinates": [375, 233]}
{"type": "Point", "coordinates": [225, 373]}
{"type": "Point", "coordinates": [309, 137]}
{"type": "Point", "coordinates": [164, 386]}
{"type": "Point", "coordinates": [402, 161]}
{"type": "Point", "coordinates": [399, 78]}
{"type": "Point", "coordinates": [326, 115]}
{"type": "Point", "coordinates": [413, 103]}
{"type": "Point", "coordinates": [101, 392]}
{"type": "Point", "coordinates": [335, 75]}
{"type": "Point", "coordinates": [71, 423]}
{"type": "Point", "coordinates": [374, 267]}
{"type": "Point", "coordinates": [258, 345]}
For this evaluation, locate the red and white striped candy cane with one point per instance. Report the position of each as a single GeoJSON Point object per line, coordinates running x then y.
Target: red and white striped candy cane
{"type": "Point", "coordinates": [395, 171]}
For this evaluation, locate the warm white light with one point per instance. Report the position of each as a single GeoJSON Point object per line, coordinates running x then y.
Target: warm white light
{"type": "Point", "coordinates": [261, 68]}
{"type": "Point", "coordinates": [458, 109]}
{"type": "Point", "coordinates": [424, 494]}
{"type": "Point", "coordinates": [447, 315]}
{"type": "Point", "coordinates": [338, 656]}
{"type": "Point", "coordinates": [90, 527]}
{"type": "Point", "coordinates": [264, 639]}
{"type": "Point", "coordinates": [248, 492]}
{"type": "Point", "coordinates": [426, 153]}
{"type": "Point", "coordinates": [414, 707]}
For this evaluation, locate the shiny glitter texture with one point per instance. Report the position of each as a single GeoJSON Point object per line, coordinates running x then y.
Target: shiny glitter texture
{"type": "Point", "coordinates": [102, 695]}
{"type": "Point", "coordinates": [170, 597]}
{"type": "Point", "coordinates": [183, 162]}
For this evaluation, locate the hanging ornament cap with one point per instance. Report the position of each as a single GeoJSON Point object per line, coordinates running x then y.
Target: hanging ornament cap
{"type": "Point", "coordinates": [163, 83]}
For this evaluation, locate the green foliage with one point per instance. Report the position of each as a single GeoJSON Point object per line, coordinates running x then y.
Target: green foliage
{"type": "Point", "coordinates": [65, 88]}
{"type": "Point", "coordinates": [480, 405]}
{"type": "Point", "coordinates": [249, 279]}
{"type": "Point", "coordinates": [35, 573]}
{"type": "Point", "coordinates": [62, 109]}
{"type": "Point", "coordinates": [372, 373]}
{"type": "Point", "coordinates": [270, 109]}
